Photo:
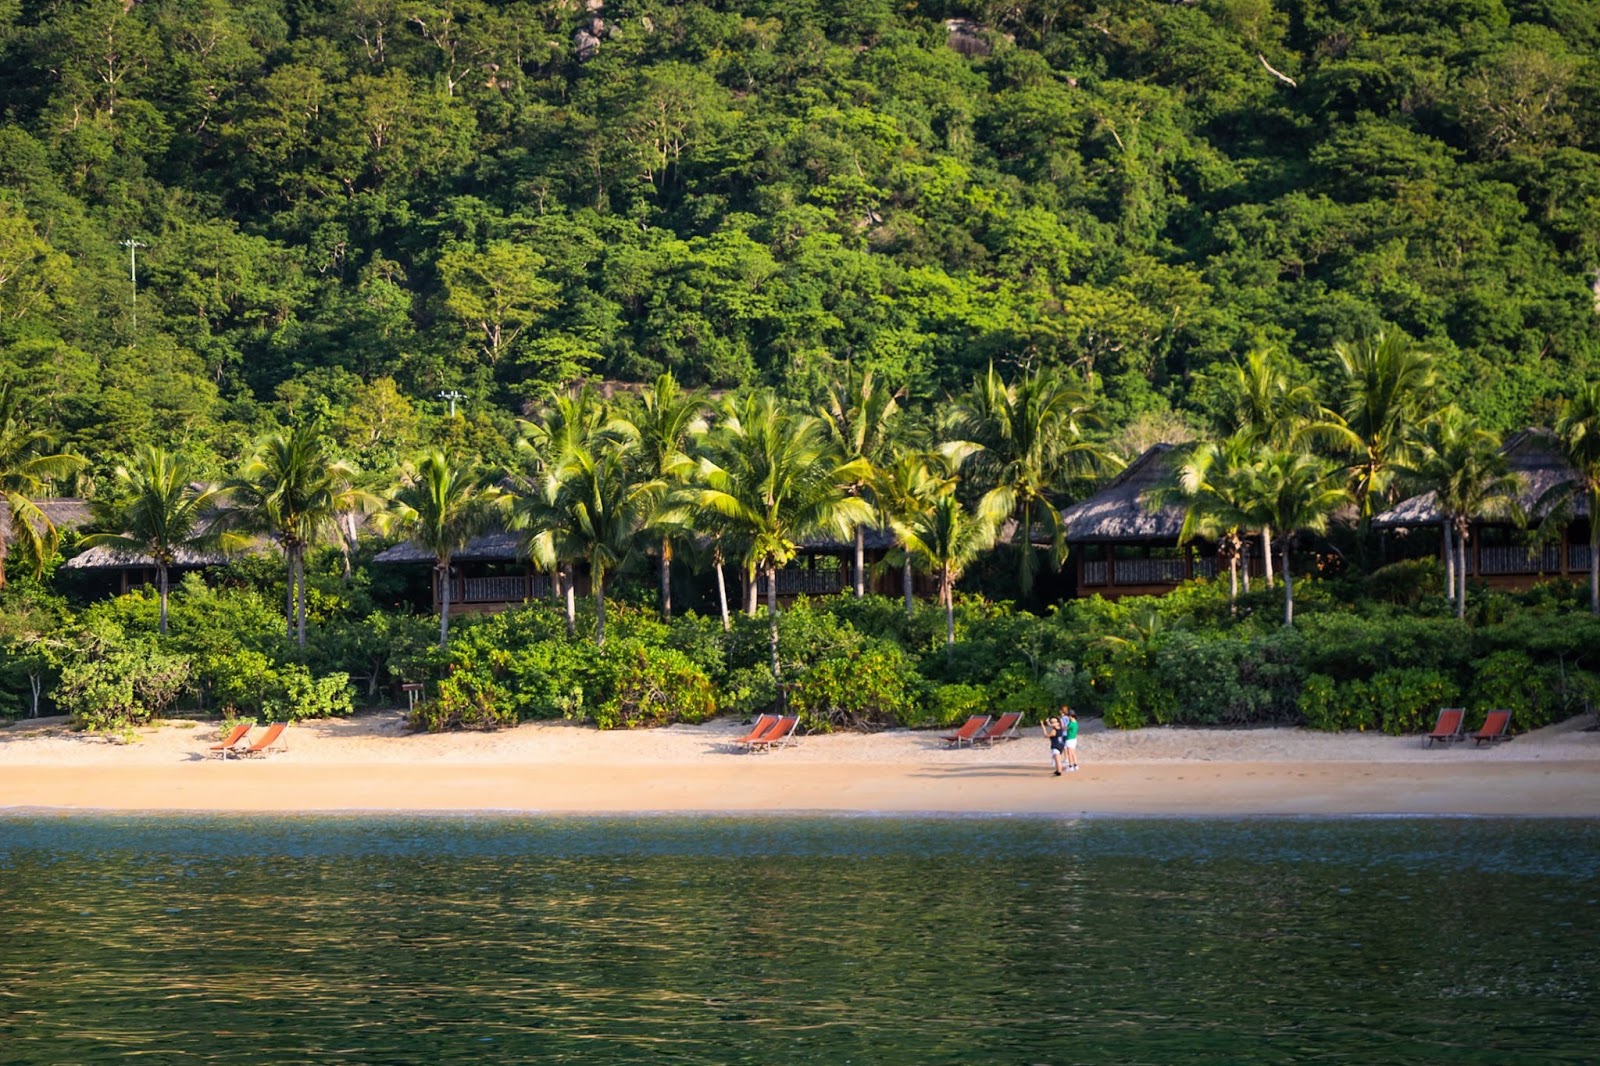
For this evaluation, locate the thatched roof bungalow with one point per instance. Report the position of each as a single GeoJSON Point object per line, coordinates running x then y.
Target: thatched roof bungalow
{"type": "Point", "coordinates": [1499, 550]}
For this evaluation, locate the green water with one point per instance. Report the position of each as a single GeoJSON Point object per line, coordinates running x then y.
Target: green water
{"type": "Point", "coordinates": [444, 940]}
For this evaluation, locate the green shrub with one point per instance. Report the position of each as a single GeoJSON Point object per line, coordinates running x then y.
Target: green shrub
{"type": "Point", "coordinates": [872, 689]}
{"type": "Point", "coordinates": [749, 691]}
{"type": "Point", "coordinates": [125, 687]}
{"type": "Point", "coordinates": [1319, 703]}
{"type": "Point", "coordinates": [465, 701]}
{"type": "Point", "coordinates": [1016, 689]}
{"type": "Point", "coordinates": [646, 686]}
{"type": "Point", "coordinates": [948, 705]}
{"type": "Point", "coordinates": [297, 695]}
{"type": "Point", "coordinates": [1407, 700]}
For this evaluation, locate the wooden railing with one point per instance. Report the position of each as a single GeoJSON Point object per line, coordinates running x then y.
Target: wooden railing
{"type": "Point", "coordinates": [811, 582]}
{"type": "Point", "coordinates": [1518, 559]}
{"type": "Point", "coordinates": [1578, 557]}
{"type": "Point", "coordinates": [506, 588]}
{"type": "Point", "coordinates": [1147, 571]}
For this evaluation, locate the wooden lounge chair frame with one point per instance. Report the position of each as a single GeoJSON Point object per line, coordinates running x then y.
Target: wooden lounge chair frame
{"type": "Point", "coordinates": [974, 725]}
{"type": "Point", "coordinates": [1002, 728]}
{"type": "Point", "coordinates": [1495, 724]}
{"type": "Point", "coordinates": [1448, 727]}
{"type": "Point", "coordinates": [236, 739]}
{"type": "Point", "coordinates": [274, 739]}
{"type": "Point", "coordinates": [757, 731]}
{"type": "Point", "coordinates": [780, 735]}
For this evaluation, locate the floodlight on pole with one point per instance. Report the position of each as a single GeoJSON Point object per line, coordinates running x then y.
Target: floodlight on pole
{"type": "Point", "coordinates": [452, 395]}
{"type": "Point", "coordinates": [133, 247]}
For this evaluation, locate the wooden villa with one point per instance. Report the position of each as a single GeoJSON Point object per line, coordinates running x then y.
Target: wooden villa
{"type": "Point", "coordinates": [1500, 552]}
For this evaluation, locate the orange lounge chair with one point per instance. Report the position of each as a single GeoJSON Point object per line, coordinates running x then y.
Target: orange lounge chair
{"type": "Point", "coordinates": [969, 730]}
{"type": "Point", "coordinates": [272, 740]}
{"type": "Point", "coordinates": [764, 723]}
{"type": "Point", "coordinates": [232, 742]}
{"type": "Point", "coordinates": [1494, 728]}
{"type": "Point", "coordinates": [779, 736]}
{"type": "Point", "coordinates": [1004, 728]}
{"type": "Point", "coordinates": [1447, 728]}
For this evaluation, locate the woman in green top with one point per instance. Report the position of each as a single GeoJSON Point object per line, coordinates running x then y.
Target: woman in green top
{"type": "Point", "coordinates": [1070, 722]}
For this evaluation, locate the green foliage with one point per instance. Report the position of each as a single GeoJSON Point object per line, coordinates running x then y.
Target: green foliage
{"type": "Point", "coordinates": [121, 686]}
{"type": "Point", "coordinates": [1398, 701]}
{"type": "Point", "coordinates": [874, 688]}
{"type": "Point", "coordinates": [648, 686]}
{"type": "Point", "coordinates": [949, 705]}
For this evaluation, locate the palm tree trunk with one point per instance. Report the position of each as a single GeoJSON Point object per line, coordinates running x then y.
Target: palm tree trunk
{"type": "Point", "coordinates": [772, 624]}
{"type": "Point", "coordinates": [1233, 575]}
{"type": "Point", "coordinates": [597, 574]}
{"type": "Point", "coordinates": [1244, 562]}
{"type": "Point", "coordinates": [751, 592]}
{"type": "Point", "coordinates": [1594, 552]}
{"type": "Point", "coordinates": [3, 556]}
{"type": "Point", "coordinates": [1461, 572]}
{"type": "Point", "coordinates": [300, 601]}
{"type": "Point", "coordinates": [288, 610]}
{"type": "Point", "coordinates": [444, 602]}
{"type": "Point", "coordinates": [947, 593]}
{"type": "Point", "coordinates": [570, 592]}
{"type": "Point", "coordinates": [861, 561]}
{"type": "Point", "coordinates": [722, 589]}
{"type": "Point", "coordinates": [1449, 561]}
{"type": "Point", "coordinates": [666, 578]}
{"type": "Point", "coordinates": [1288, 585]}
{"type": "Point", "coordinates": [1266, 553]}
{"type": "Point", "coordinates": [906, 582]}
{"type": "Point", "coordinates": [161, 587]}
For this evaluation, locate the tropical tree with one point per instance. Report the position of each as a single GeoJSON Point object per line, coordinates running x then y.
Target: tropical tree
{"type": "Point", "coordinates": [1216, 482]}
{"type": "Point", "coordinates": [589, 506]}
{"type": "Point", "coordinates": [1298, 492]}
{"type": "Point", "coordinates": [859, 417]}
{"type": "Point", "coordinates": [664, 425]}
{"type": "Point", "coordinates": [946, 539]}
{"type": "Point", "coordinates": [1029, 436]}
{"type": "Point", "coordinates": [294, 491]}
{"type": "Point", "coordinates": [439, 506]}
{"type": "Point", "coordinates": [905, 490]}
{"type": "Point", "coordinates": [772, 478]}
{"type": "Point", "coordinates": [162, 512]}
{"type": "Point", "coordinates": [1389, 388]}
{"type": "Point", "coordinates": [1578, 431]}
{"type": "Point", "coordinates": [1468, 475]}
{"type": "Point", "coordinates": [26, 467]}
{"type": "Point", "coordinates": [570, 421]}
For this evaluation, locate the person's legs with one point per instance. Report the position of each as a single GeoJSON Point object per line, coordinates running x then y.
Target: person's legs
{"type": "Point", "coordinates": [1055, 759]}
{"type": "Point", "coordinates": [1072, 754]}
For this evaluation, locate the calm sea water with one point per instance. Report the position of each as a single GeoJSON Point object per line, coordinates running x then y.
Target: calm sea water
{"type": "Point", "coordinates": [443, 940]}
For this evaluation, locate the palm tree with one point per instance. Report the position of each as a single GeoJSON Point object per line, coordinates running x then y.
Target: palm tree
{"type": "Point", "coordinates": [858, 418]}
{"type": "Point", "coordinates": [666, 422]}
{"type": "Point", "coordinates": [905, 490]}
{"type": "Point", "coordinates": [162, 512]}
{"type": "Point", "coordinates": [440, 506]}
{"type": "Point", "coordinates": [1216, 482]}
{"type": "Point", "coordinates": [946, 539]}
{"type": "Point", "coordinates": [294, 491]}
{"type": "Point", "coordinates": [25, 469]}
{"type": "Point", "coordinates": [771, 477]}
{"type": "Point", "coordinates": [1578, 431]}
{"type": "Point", "coordinates": [1468, 474]}
{"type": "Point", "coordinates": [569, 421]}
{"type": "Point", "coordinates": [1029, 436]}
{"type": "Point", "coordinates": [1389, 389]}
{"type": "Point", "coordinates": [1296, 491]}
{"type": "Point", "coordinates": [589, 506]}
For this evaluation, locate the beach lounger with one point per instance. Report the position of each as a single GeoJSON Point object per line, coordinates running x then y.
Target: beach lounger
{"type": "Point", "coordinates": [1447, 728]}
{"type": "Point", "coordinates": [1003, 728]}
{"type": "Point", "coordinates": [274, 739]}
{"type": "Point", "coordinates": [779, 736]}
{"type": "Point", "coordinates": [1494, 728]}
{"type": "Point", "coordinates": [236, 739]}
{"type": "Point", "coordinates": [969, 729]}
{"type": "Point", "coordinates": [757, 731]}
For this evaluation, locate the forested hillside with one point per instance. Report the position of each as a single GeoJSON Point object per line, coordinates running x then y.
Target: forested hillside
{"type": "Point", "coordinates": [347, 207]}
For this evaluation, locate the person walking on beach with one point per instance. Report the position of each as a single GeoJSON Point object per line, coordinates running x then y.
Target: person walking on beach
{"type": "Point", "coordinates": [1069, 737]}
{"type": "Point", "coordinates": [1056, 733]}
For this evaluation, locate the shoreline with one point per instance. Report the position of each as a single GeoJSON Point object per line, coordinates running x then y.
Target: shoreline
{"type": "Point", "coordinates": [367, 766]}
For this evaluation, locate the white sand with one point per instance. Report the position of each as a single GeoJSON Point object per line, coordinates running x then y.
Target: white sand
{"type": "Point", "coordinates": [370, 763]}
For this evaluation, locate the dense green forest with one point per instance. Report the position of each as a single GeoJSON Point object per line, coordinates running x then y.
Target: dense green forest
{"type": "Point", "coordinates": [344, 208]}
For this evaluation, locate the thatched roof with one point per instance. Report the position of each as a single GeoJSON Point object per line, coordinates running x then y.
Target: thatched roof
{"type": "Point", "coordinates": [1123, 511]}
{"type": "Point", "coordinates": [64, 512]}
{"type": "Point", "coordinates": [105, 557]}
{"type": "Point", "coordinates": [1532, 456]}
{"type": "Point", "coordinates": [497, 547]}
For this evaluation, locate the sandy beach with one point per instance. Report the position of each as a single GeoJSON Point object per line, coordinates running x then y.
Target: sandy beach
{"type": "Point", "coordinates": [369, 763]}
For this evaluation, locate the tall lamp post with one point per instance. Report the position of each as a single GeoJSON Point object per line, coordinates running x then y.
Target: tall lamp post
{"type": "Point", "coordinates": [452, 395]}
{"type": "Point", "coordinates": [133, 247]}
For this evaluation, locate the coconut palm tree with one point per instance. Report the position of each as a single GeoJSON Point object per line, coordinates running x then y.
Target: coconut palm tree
{"type": "Point", "coordinates": [1468, 474]}
{"type": "Point", "coordinates": [439, 506]}
{"type": "Point", "coordinates": [859, 417]}
{"type": "Point", "coordinates": [905, 490]}
{"type": "Point", "coordinates": [26, 467]}
{"type": "Point", "coordinates": [1030, 435]}
{"type": "Point", "coordinates": [294, 491]}
{"type": "Point", "coordinates": [1389, 389]}
{"type": "Point", "coordinates": [569, 421]}
{"type": "Point", "coordinates": [1297, 492]}
{"type": "Point", "coordinates": [665, 424]}
{"type": "Point", "coordinates": [945, 539]}
{"type": "Point", "coordinates": [1216, 484]}
{"type": "Point", "coordinates": [589, 506]}
{"type": "Point", "coordinates": [162, 511]}
{"type": "Point", "coordinates": [771, 478]}
{"type": "Point", "coordinates": [1578, 432]}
